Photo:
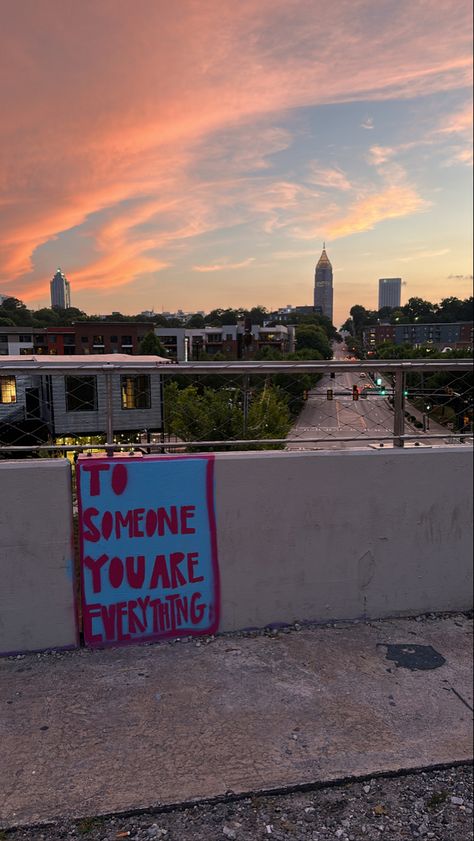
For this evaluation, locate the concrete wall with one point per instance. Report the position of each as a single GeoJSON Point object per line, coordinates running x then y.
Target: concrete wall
{"type": "Point", "coordinates": [327, 535]}
{"type": "Point", "coordinates": [301, 536]}
{"type": "Point", "coordinates": [36, 556]}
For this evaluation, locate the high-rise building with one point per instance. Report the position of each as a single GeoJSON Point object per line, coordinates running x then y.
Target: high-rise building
{"type": "Point", "coordinates": [390, 291]}
{"type": "Point", "coordinates": [60, 291]}
{"type": "Point", "coordinates": [323, 291]}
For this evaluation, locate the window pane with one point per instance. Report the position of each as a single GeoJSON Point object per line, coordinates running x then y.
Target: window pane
{"type": "Point", "coordinates": [81, 394]}
{"type": "Point", "coordinates": [135, 392]}
{"type": "Point", "coordinates": [7, 390]}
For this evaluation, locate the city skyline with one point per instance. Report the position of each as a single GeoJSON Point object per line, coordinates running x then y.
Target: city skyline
{"type": "Point", "coordinates": [200, 160]}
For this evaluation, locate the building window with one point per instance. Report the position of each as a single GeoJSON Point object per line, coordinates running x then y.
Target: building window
{"type": "Point", "coordinates": [3, 339]}
{"type": "Point", "coordinates": [127, 340]}
{"type": "Point", "coordinates": [114, 340]}
{"type": "Point", "coordinates": [98, 340]}
{"type": "Point", "coordinates": [81, 394]}
{"type": "Point", "coordinates": [7, 389]}
{"type": "Point", "coordinates": [135, 392]}
{"type": "Point", "coordinates": [39, 339]}
{"type": "Point", "coordinates": [69, 339]}
{"type": "Point", "coordinates": [24, 337]}
{"type": "Point", "coordinates": [27, 351]}
{"type": "Point", "coordinates": [228, 337]}
{"type": "Point", "coordinates": [52, 339]}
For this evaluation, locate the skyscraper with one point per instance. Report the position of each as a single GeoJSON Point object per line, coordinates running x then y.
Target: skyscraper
{"type": "Point", "coordinates": [60, 291]}
{"type": "Point", "coordinates": [390, 291]}
{"type": "Point", "coordinates": [323, 292]}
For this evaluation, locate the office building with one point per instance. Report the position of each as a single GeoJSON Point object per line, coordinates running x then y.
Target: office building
{"type": "Point", "coordinates": [323, 290]}
{"type": "Point", "coordinates": [60, 291]}
{"type": "Point", "coordinates": [390, 292]}
{"type": "Point", "coordinates": [454, 336]}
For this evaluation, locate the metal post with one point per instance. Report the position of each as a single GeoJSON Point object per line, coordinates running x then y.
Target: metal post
{"type": "Point", "coordinates": [109, 441]}
{"type": "Point", "coordinates": [399, 409]}
{"type": "Point", "coordinates": [162, 409]}
{"type": "Point", "coordinates": [245, 404]}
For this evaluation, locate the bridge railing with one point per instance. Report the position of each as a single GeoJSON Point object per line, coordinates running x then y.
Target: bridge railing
{"type": "Point", "coordinates": [56, 406]}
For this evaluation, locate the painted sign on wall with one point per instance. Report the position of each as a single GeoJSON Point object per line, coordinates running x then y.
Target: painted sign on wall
{"type": "Point", "coordinates": [148, 548]}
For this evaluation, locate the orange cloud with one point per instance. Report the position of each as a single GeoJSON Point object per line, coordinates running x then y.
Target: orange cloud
{"type": "Point", "coordinates": [218, 267]}
{"type": "Point", "coordinates": [392, 203]}
{"type": "Point", "coordinates": [108, 108]}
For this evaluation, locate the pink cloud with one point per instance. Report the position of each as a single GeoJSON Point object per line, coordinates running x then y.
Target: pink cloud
{"type": "Point", "coordinates": [392, 203]}
{"type": "Point", "coordinates": [329, 177]}
{"type": "Point", "coordinates": [219, 267]}
{"type": "Point", "coordinates": [108, 105]}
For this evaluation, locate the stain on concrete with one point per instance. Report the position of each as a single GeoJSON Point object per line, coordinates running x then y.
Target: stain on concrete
{"type": "Point", "coordinates": [414, 657]}
{"type": "Point", "coordinates": [365, 569]}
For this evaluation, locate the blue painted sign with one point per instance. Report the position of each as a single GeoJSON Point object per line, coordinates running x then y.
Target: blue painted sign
{"type": "Point", "coordinates": [148, 548]}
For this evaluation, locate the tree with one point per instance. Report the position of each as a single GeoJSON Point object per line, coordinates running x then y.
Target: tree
{"type": "Point", "coordinates": [209, 415]}
{"type": "Point", "coordinates": [17, 311]}
{"type": "Point", "coordinates": [452, 309]}
{"type": "Point", "coordinates": [150, 345]}
{"type": "Point", "coordinates": [257, 315]}
{"type": "Point", "coordinates": [268, 416]}
{"type": "Point", "coordinates": [196, 321]}
{"type": "Point", "coordinates": [48, 317]}
{"type": "Point", "coordinates": [419, 310]}
{"type": "Point", "coordinates": [348, 326]}
{"type": "Point", "coordinates": [363, 317]}
{"type": "Point", "coordinates": [314, 338]}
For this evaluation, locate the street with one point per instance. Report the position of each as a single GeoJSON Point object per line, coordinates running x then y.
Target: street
{"type": "Point", "coordinates": [342, 417]}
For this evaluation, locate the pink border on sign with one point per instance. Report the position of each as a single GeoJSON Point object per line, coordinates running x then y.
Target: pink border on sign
{"type": "Point", "coordinates": [214, 624]}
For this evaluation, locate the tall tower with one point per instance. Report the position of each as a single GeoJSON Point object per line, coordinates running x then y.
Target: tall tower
{"type": "Point", "coordinates": [390, 289]}
{"type": "Point", "coordinates": [60, 291]}
{"type": "Point", "coordinates": [323, 291]}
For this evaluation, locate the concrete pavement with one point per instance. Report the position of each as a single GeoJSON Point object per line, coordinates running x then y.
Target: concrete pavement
{"type": "Point", "coordinates": [90, 733]}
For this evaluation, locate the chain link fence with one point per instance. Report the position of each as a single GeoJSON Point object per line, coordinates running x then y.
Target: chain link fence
{"type": "Point", "coordinates": [50, 408]}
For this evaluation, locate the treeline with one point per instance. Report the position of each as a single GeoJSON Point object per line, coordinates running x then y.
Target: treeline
{"type": "Point", "coordinates": [14, 312]}
{"type": "Point", "coordinates": [314, 332]}
{"type": "Point", "coordinates": [415, 311]}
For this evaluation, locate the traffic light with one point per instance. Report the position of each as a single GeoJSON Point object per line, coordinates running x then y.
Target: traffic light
{"type": "Point", "coordinates": [379, 381]}
{"type": "Point", "coordinates": [383, 391]}
{"type": "Point", "coordinates": [405, 393]}
{"type": "Point", "coordinates": [329, 394]}
{"type": "Point", "coordinates": [355, 392]}
{"type": "Point", "coordinates": [305, 394]}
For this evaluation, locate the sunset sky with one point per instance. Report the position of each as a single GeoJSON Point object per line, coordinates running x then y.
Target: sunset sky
{"type": "Point", "coordinates": [196, 154]}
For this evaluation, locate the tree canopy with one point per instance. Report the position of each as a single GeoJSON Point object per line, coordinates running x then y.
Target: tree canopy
{"type": "Point", "coordinates": [415, 311]}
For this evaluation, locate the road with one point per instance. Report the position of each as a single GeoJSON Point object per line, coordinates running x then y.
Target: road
{"type": "Point", "coordinates": [343, 417]}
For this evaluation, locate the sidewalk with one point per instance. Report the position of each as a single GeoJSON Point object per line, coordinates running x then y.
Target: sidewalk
{"type": "Point", "coordinates": [128, 729]}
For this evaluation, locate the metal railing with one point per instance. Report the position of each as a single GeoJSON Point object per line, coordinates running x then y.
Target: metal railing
{"type": "Point", "coordinates": [417, 400]}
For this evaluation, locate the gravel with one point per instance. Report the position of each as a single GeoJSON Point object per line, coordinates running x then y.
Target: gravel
{"type": "Point", "coordinates": [426, 805]}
